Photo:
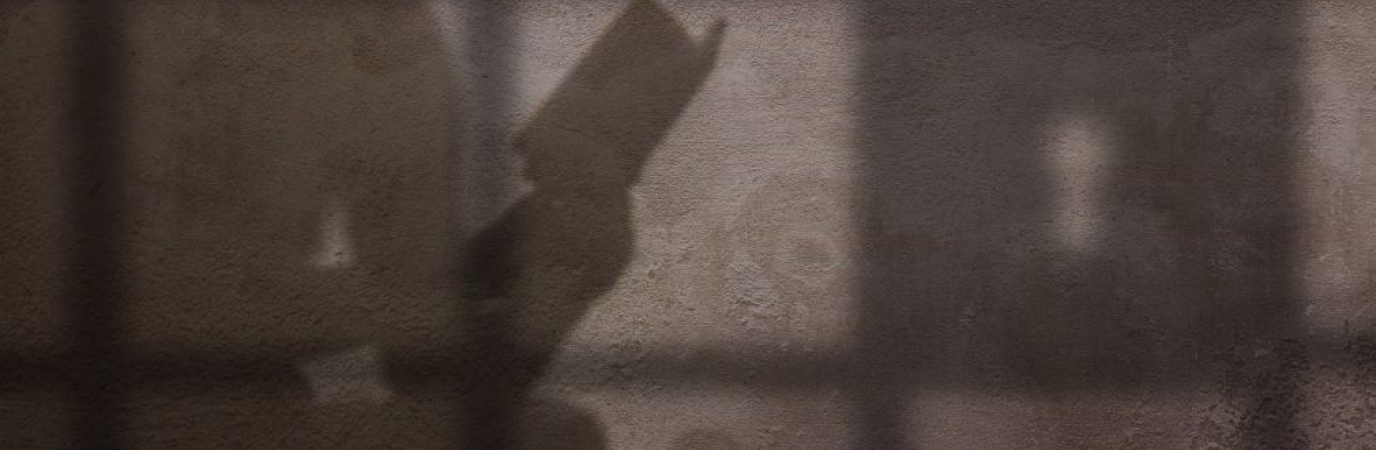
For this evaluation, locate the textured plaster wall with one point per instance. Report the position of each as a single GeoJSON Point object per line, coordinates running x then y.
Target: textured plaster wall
{"type": "Point", "coordinates": [687, 224]}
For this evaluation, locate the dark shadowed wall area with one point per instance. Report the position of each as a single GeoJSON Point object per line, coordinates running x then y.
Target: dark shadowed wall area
{"type": "Point", "coordinates": [1087, 202]}
{"type": "Point", "coordinates": [687, 225]}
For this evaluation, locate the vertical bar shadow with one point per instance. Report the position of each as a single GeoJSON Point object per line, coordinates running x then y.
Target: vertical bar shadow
{"type": "Point", "coordinates": [96, 213]}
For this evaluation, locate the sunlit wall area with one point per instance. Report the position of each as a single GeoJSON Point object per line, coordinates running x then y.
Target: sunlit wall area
{"type": "Point", "coordinates": [428, 224]}
{"type": "Point", "coordinates": [678, 224]}
{"type": "Point", "coordinates": [1335, 247]}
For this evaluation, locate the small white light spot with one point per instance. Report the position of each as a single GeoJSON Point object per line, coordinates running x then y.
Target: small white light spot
{"type": "Point", "coordinates": [350, 376]}
{"type": "Point", "coordinates": [1078, 155]}
{"type": "Point", "coordinates": [336, 250]}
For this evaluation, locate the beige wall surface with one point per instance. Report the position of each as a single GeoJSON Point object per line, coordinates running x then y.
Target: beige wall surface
{"type": "Point", "coordinates": [678, 224]}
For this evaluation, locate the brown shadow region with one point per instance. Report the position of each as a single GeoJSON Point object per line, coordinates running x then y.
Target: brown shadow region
{"type": "Point", "coordinates": [528, 279]}
{"type": "Point", "coordinates": [245, 222]}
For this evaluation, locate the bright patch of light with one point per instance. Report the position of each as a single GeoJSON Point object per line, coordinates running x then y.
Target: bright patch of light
{"type": "Point", "coordinates": [1078, 154]}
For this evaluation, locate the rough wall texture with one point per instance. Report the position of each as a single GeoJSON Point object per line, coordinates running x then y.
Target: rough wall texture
{"type": "Point", "coordinates": [870, 224]}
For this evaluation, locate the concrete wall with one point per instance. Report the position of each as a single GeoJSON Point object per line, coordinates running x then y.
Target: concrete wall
{"type": "Point", "coordinates": [762, 224]}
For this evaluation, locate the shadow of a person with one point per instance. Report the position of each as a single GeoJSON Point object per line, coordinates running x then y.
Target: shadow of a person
{"type": "Point", "coordinates": [527, 279]}
{"type": "Point", "coordinates": [1080, 202]}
